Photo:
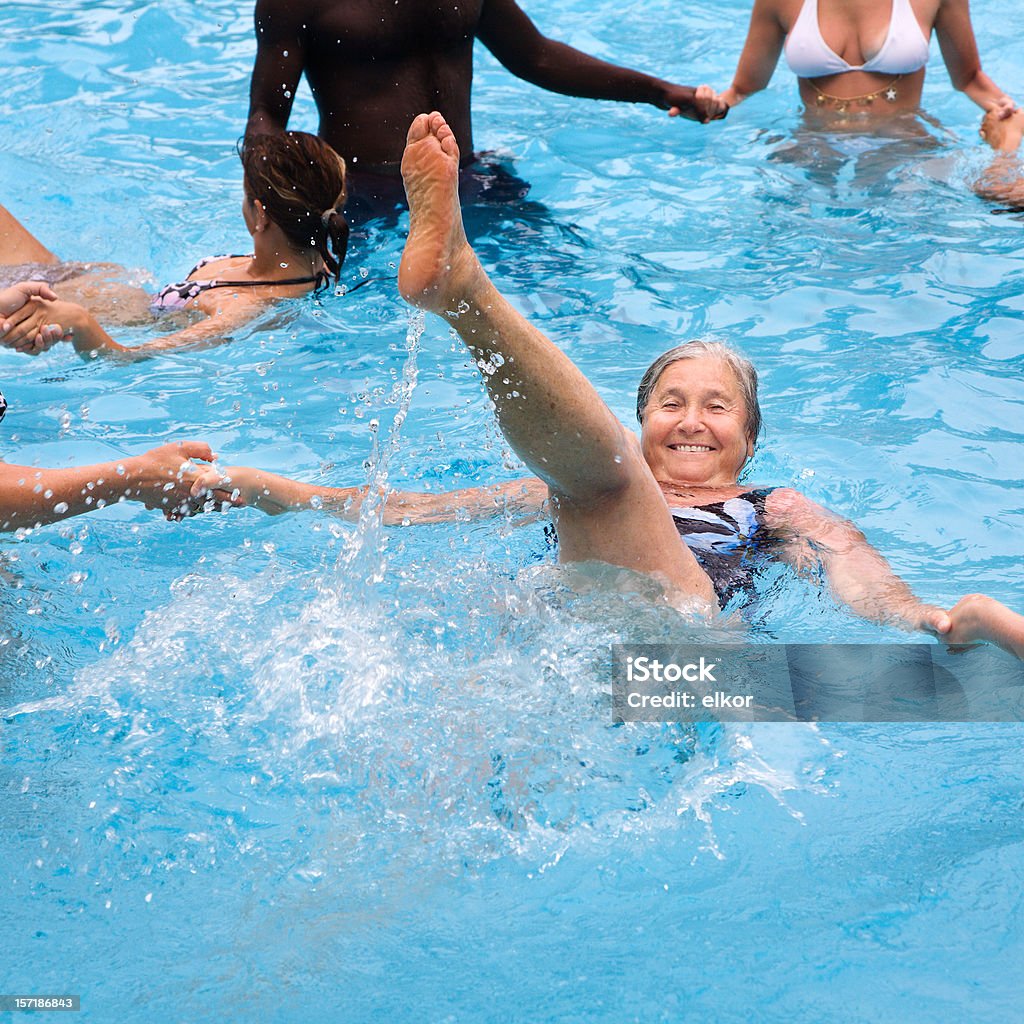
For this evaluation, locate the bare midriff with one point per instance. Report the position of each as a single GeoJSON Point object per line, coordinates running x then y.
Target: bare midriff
{"type": "Point", "coordinates": [864, 94]}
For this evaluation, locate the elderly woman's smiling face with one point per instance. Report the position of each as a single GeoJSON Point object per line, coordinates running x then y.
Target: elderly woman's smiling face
{"type": "Point", "coordinates": [695, 424]}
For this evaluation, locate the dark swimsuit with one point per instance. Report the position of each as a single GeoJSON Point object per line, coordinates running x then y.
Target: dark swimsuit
{"type": "Point", "coordinates": [728, 539]}
{"type": "Point", "coordinates": [177, 296]}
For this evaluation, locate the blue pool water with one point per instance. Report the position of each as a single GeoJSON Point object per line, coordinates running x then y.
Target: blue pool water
{"type": "Point", "coordinates": [298, 770]}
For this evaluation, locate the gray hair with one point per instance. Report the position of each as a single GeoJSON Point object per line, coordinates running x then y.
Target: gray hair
{"type": "Point", "coordinates": [743, 368]}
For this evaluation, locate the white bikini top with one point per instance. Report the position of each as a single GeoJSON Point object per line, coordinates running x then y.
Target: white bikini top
{"type": "Point", "coordinates": [905, 48]}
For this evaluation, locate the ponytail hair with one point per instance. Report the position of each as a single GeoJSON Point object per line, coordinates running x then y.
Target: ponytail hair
{"type": "Point", "coordinates": [300, 181]}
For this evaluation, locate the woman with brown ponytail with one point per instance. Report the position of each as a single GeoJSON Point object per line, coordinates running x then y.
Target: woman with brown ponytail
{"type": "Point", "coordinates": [294, 194]}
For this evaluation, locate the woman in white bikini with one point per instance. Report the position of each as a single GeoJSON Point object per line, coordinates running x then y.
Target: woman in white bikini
{"type": "Point", "coordinates": [862, 57]}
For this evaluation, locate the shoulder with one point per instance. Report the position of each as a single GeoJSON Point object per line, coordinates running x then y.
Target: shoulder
{"type": "Point", "coordinates": [211, 266]}
{"type": "Point", "coordinates": [782, 12]}
{"type": "Point", "coordinates": [786, 507]}
{"type": "Point", "coordinates": [283, 14]}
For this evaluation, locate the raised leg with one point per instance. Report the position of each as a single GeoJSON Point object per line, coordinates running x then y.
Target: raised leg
{"type": "Point", "coordinates": [607, 504]}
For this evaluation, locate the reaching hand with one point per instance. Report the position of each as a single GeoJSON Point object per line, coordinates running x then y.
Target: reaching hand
{"type": "Point", "coordinates": [232, 486]}
{"type": "Point", "coordinates": [930, 618]}
{"type": "Point", "coordinates": [32, 327]}
{"type": "Point", "coordinates": [163, 479]}
{"type": "Point", "coordinates": [14, 297]}
{"type": "Point", "coordinates": [978, 617]}
{"type": "Point", "coordinates": [1003, 131]}
{"type": "Point", "coordinates": [1003, 107]}
{"type": "Point", "coordinates": [701, 104]}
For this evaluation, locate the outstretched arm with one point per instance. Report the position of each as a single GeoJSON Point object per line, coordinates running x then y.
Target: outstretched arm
{"type": "Point", "coordinates": [960, 53]}
{"type": "Point", "coordinates": [512, 37]}
{"type": "Point", "coordinates": [275, 494]}
{"type": "Point", "coordinates": [280, 59]}
{"type": "Point", "coordinates": [856, 573]}
{"type": "Point", "coordinates": [17, 295]}
{"type": "Point", "coordinates": [863, 580]}
{"type": "Point", "coordinates": [765, 38]}
{"type": "Point", "coordinates": [39, 324]}
{"type": "Point", "coordinates": [160, 478]}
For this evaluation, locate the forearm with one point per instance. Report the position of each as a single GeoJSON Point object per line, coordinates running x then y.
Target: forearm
{"type": "Point", "coordinates": [750, 79]}
{"type": "Point", "coordinates": [760, 55]}
{"type": "Point", "coordinates": [857, 574]}
{"type": "Point", "coordinates": [34, 497]}
{"type": "Point", "coordinates": [280, 58]}
{"type": "Point", "coordinates": [733, 96]}
{"type": "Point", "coordinates": [862, 580]}
{"type": "Point", "coordinates": [560, 68]}
{"type": "Point", "coordinates": [266, 120]}
{"type": "Point", "coordinates": [982, 90]}
{"type": "Point", "coordinates": [275, 495]}
{"type": "Point", "coordinates": [87, 336]}
{"type": "Point", "coordinates": [91, 341]}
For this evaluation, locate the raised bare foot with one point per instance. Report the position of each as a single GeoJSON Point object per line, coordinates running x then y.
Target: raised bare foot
{"type": "Point", "coordinates": [439, 269]}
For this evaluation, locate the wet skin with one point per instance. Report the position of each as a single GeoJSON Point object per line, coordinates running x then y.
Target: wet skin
{"type": "Point", "coordinates": [374, 64]}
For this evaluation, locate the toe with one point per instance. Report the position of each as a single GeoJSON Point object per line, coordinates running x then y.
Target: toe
{"type": "Point", "coordinates": [419, 128]}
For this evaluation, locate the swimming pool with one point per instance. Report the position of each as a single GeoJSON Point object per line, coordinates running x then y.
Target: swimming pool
{"type": "Point", "coordinates": [291, 769]}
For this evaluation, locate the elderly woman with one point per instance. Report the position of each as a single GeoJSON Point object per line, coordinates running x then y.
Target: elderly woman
{"type": "Point", "coordinates": [615, 499]}
{"type": "Point", "coordinates": [864, 57]}
{"type": "Point", "coordinates": [294, 191]}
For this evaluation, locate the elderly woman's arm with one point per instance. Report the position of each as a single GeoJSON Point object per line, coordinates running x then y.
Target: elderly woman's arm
{"type": "Point", "coordinates": [856, 573]}
{"type": "Point", "coordinates": [765, 38]}
{"type": "Point", "coordinates": [863, 580]}
{"type": "Point", "coordinates": [273, 494]}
